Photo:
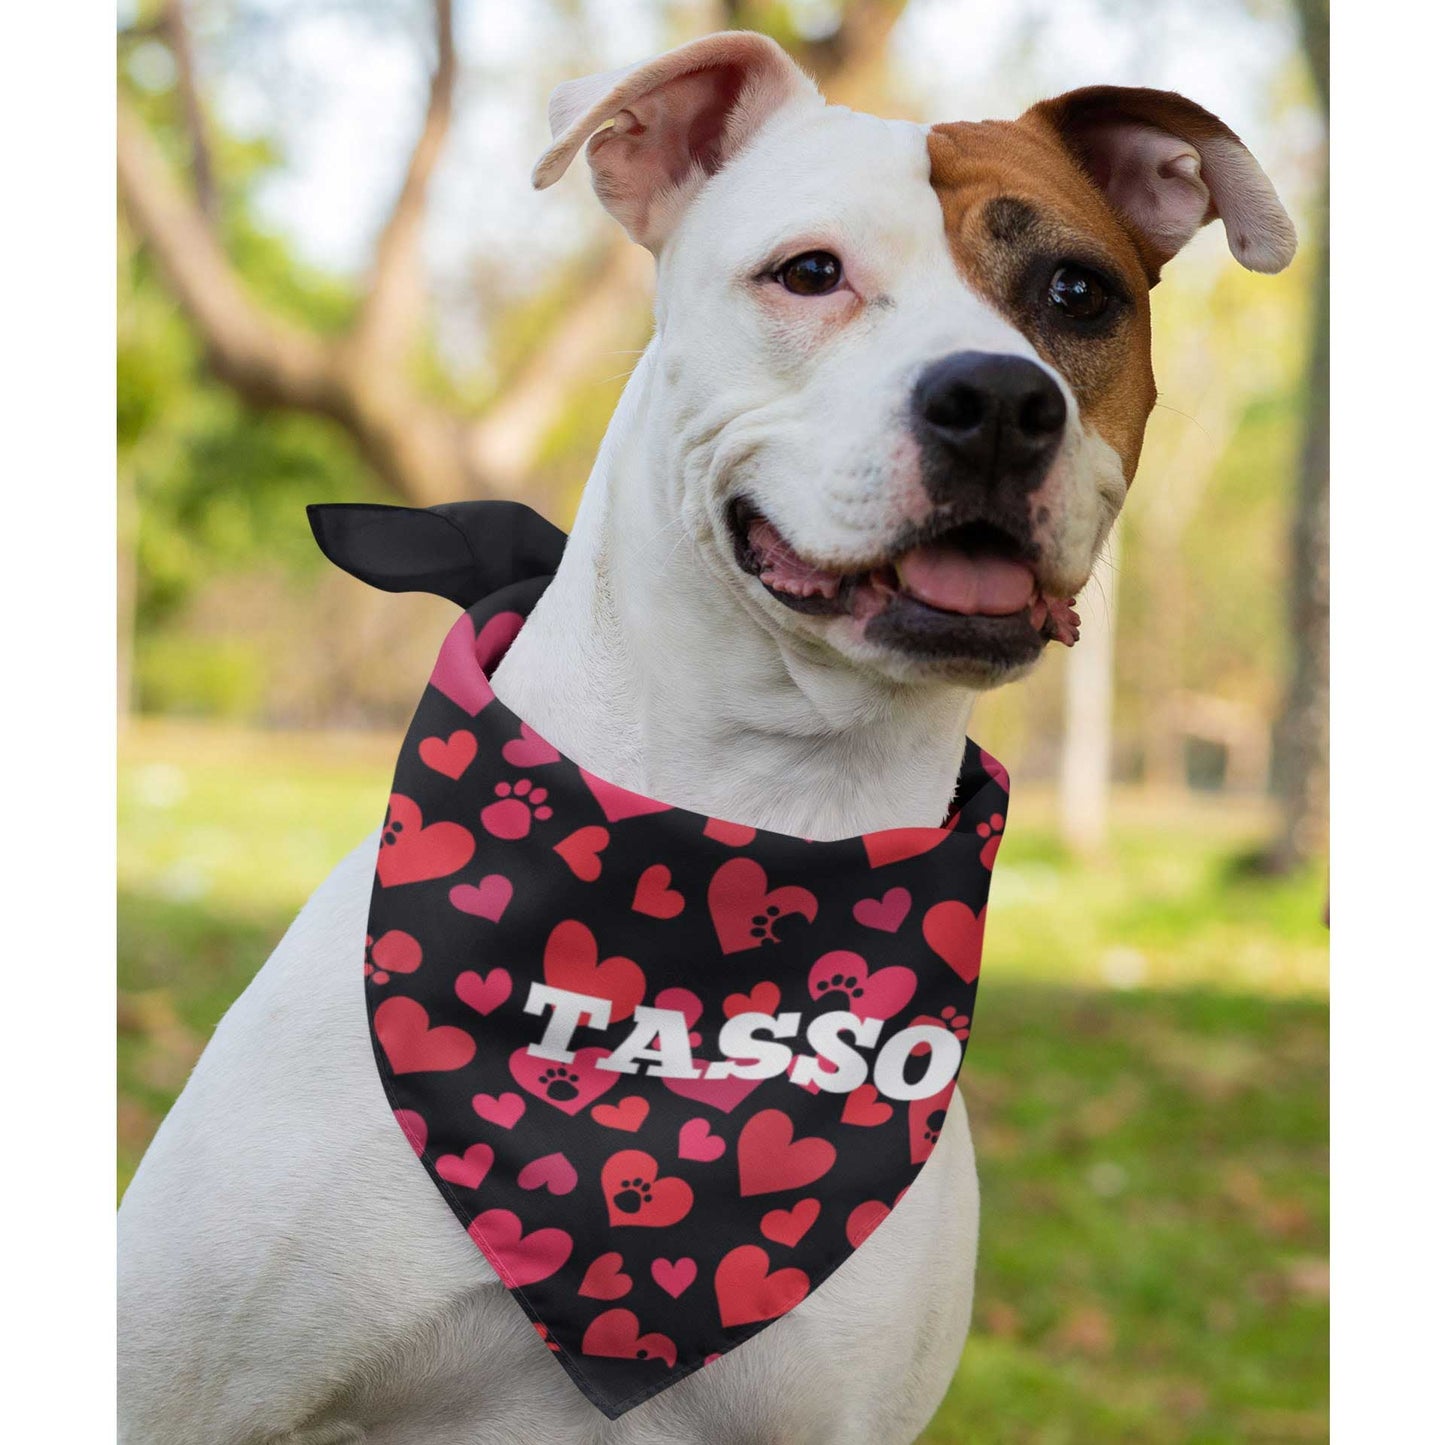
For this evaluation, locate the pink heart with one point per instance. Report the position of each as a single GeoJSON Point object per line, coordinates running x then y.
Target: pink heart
{"type": "Point", "coordinates": [503, 1110]}
{"type": "Point", "coordinates": [570, 1087]}
{"type": "Point", "coordinates": [886, 913]}
{"type": "Point", "coordinates": [487, 899]}
{"type": "Point", "coordinates": [529, 750]}
{"type": "Point", "coordinates": [869, 995]}
{"type": "Point", "coordinates": [683, 1001]}
{"type": "Point", "coordinates": [484, 994]}
{"type": "Point", "coordinates": [552, 1172]}
{"type": "Point", "coordinates": [675, 1276]}
{"type": "Point", "coordinates": [618, 803]}
{"type": "Point", "coordinates": [695, 1140]}
{"type": "Point", "coordinates": [467, 1169]}
{"type": "Point", "coordinates": [994, 769]}
{"type": "Point", "coordinates": [724, 1094]}
{"type": "Point", "coordinates": [520, 1259]}
{"type": "Point", "coordinates": [461, 666]}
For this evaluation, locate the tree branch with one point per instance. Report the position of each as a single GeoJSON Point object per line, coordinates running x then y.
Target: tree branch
{"type": "Point", "coordinates": [171, 23]}
{"type": "Point", "coordinates": [395, 294]}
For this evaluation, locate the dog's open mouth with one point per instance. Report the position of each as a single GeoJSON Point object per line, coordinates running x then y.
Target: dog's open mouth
{"type": "Point", "coordinates": [966, 591]}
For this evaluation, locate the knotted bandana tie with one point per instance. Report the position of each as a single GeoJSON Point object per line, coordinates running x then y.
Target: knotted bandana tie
{"type": "Point", "coordinates": [668, 1071]}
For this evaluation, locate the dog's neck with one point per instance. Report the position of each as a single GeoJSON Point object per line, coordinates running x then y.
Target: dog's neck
{"type": "Point", "coordinates": [650, 670]}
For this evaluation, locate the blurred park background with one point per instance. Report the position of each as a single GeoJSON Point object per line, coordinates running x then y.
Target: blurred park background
{"type": "Point", "coordinates": [336, 284]}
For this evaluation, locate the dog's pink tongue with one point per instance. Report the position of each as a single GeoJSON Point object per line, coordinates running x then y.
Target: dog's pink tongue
{"type": "Point", "coordinates": [944, 578]}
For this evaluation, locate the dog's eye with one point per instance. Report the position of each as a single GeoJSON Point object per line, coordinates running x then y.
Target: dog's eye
{"type": "Point", "coordinates": [1078, 294]}
{"type": "Point", "coordinates": [814, 273]}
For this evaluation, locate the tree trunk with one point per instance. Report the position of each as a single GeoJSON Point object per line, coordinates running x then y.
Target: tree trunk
{"type": "Point", "coordinates": [1086, 759]}
{"type": "Point", "coordinates": [1301, 736]}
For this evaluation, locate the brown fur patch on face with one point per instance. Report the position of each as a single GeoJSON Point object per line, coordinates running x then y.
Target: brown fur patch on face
{"type": "Point", "coordinates": [1017, 206]}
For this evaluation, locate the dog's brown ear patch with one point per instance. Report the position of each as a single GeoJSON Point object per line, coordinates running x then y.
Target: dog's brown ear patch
{"type": "Point", "coordinates": [1168, 167]}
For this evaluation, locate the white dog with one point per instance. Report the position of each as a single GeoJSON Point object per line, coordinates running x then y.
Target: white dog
{"type": "Point", "coordinates": [894, 400]}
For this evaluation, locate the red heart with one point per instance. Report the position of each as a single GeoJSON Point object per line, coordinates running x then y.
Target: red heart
{"type": "Point", "coordinates": [695, 1140]}
{"type": "Point", "coordinates": [886, 913]}
{"type": "Point", "coordinates": [770, 1159]}
{"type": "Point", "coordinates": [487, 899]}
{"type": "Point", "coordinates": [788, 1226]}
{"type": "Point", "coordinates": [467, 1169]}
{"type": "Point", "coordinates": [845, 977]}
{"type": "Point", "coordinates": [725, 1094]}
{"type": "Point", "coordinates": [604, 1278]}
{"type": "Point", "coordinates": [613, 1335]}
{"type": "Point", "coordinates": [893, 845]}
{"type": "Point", "coordinates": [484, 994]}
{"type": "Point", "coordinates": [955, 933]}
{"type": "Point", "coordinates": [654, 897]}
{"type": "Point", "coordinates": [865, 1108]}
{"type": "Point", "coordinates": [570, 1087]}
{"type": "Point", "coordinates": [735, 835]}
{"type": "Point", "coordinates": [452, 756]}
{"type": "Point", "coordinates": [635, 1194]}
{"type": "Point", "coordinates": [925, 1122]}
{"type": "Point", "coordinates": [740, 902]}
{"type": "Point", "coordinates": [764, 999]}
{"type": "Point", "coordinates": [617, 803]}
{"type": "Point", "coordinates": [626, 1114]}
{"type": "Point", "coordinates": [747, 1293]}
{"type": "Point", "coordinates": [520, 1259]}
{"type": "Point", "coordinates": [503, 1110]}
{"type": "Point", "coordinates": [411, 853]}
{"type": "Point", "coordinates": [864, 1220]}
{"type": "Point", "coordinates": [529, 750]}
{"type": "Point", "coordinates": [581, 852]}
{"type": "Point", "coordinates": [675, 1275]}
{"type": "Point", "coordinates": [412, 1046]}
{"type": "Point", "coordinates": [570, 962]}
{"type": "Point", "coordinates": [552, 1172]}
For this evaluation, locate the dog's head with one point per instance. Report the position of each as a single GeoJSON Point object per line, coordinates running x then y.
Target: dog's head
{"type": "Point", "coordinates": [901, 374]}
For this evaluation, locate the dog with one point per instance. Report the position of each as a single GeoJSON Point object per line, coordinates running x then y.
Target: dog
{"type": "Point", "coordinates": [893, 403]}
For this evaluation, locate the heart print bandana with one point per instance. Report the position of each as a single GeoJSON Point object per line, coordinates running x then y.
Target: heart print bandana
{"type": "Point", "coordinates": [668, 1071]}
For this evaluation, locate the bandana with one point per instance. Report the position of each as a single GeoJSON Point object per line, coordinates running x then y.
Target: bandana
{"type": "Point", "coordinates": [668, 1071]}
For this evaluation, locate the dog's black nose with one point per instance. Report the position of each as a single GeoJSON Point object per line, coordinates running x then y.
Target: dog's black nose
{"type": "Point", "coordinates": [988, 419]}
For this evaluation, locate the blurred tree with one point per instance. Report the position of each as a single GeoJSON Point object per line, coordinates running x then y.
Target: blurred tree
{"type": "Point", "coordinates": [364, 378]}
{"type": "Point", "coordinates": [1301, 745]}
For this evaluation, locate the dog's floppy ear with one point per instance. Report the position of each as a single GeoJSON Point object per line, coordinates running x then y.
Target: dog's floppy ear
{"type": "Point", "coordinates": [671, 122]}
{"type": "Point", "coordinates": [1169, 167]}
{"type": "Point", "coordinates": [463, 551]}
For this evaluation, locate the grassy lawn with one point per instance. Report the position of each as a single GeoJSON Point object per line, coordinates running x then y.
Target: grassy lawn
{"type": "Point", "coordinates": [1147, 1085]}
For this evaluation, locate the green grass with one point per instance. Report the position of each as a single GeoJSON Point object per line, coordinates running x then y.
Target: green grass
{"type": "Point", "coordinates": [1147, 1084]}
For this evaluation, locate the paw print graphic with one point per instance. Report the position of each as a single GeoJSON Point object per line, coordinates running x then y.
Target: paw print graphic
{"type": "Point", "coordinates": [393, 952]}
{"type": "Point", "coordinates": [560, 1084]}
{"type": "Point", "coordinates": [840, 988]}
{"type": "Point", "coordinates": [391, 830]}
{"type": "Point", "coordinates": [517, 805]}
{"type": "Point", "coordinates": [950, 1019]}
{"type": "Point", "coordinates": [991, 832]}
{"type": "Point", "coordinates": [632, 1195]}
{"type": "Point", "coordinates": [765, 925]}
{"type": "Point", "coordinates": [933, 1126]}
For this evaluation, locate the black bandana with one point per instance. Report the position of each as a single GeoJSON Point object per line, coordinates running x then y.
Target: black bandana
{"type": "Point", "coordinates": [668, 1071]}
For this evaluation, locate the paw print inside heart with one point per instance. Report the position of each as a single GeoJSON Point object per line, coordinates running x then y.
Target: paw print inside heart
{"type": "Point", "coordinates": [392, 830]}
{"type": "Point", "coordinates": [632, 1196]}
{"type": "Point", "coordinates": [991, 832]}
{"type": "Point", "coordinates": [839, 990]}
{"type": "Point", "coordinates": [560, 1084]}
{"type": "Point", "coordinates": [765, 925]}
{"type": "Point", "coordinates": [933, 1126]}
{"type": "Point", "coordinates": [518, 805]}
